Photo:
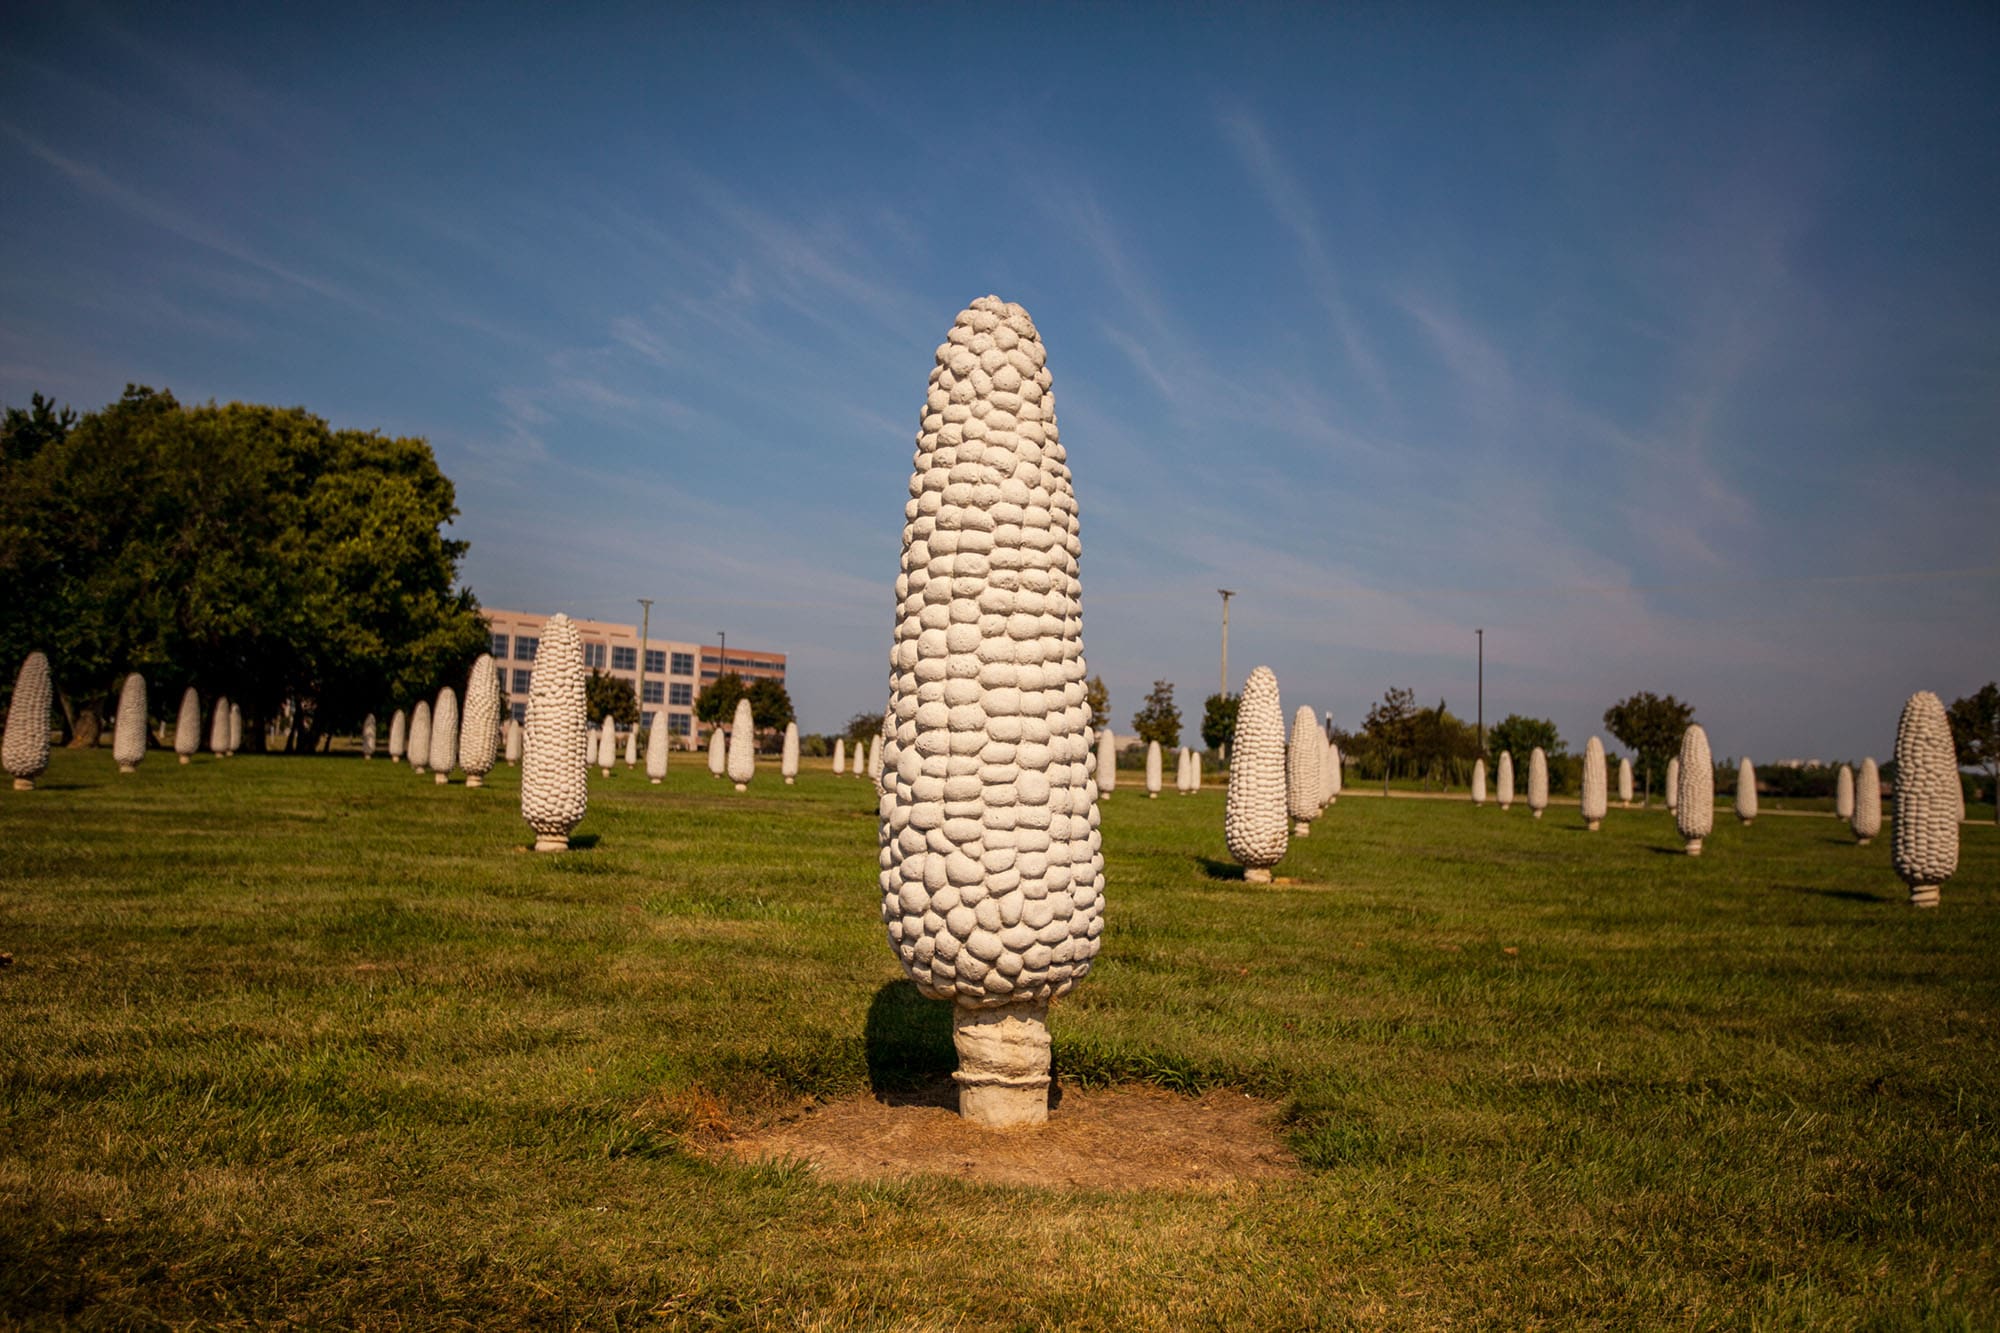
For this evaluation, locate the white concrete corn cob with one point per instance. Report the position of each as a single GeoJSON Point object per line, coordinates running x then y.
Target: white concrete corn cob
{"type": "Point", "coordinates": [658, 742]}
{"type": "Point", "coordinates": [1194, 772]}
{"type": "Point", "coordinates": [1254, 820]}
{"type": "Point", "coordinates": [420, 736]}
{"type": "Point", "coordinates": [444, 736]}
{"type": "Point", "coordinates": [1334, 776]}
{"type": "Point", "coordinates": [840, 756]}
{"type": "Point", "coordinates": [1538, 782]}
{"type": "Point", "coordinates": [1595, 798]}
{"type": "Point", "coordinates": [1624, 781]}
{"type": "Point", "coordinates": [788, 755]}
{"type": "Point", "coordinates": [24, 751]}
{"type": "Point", "coordinates": [1153, 770]}
{"type": "Point", "coordinates": [742, 746]}
{"type": "Point", "coordinates": [235, 727]}
{"type": "Point", "coordinates": [1866, 821]}
{"type": "Point", "coordinates": [718, 753]}
{"type": "Point", "coordinates": [992, 871]}
{"type": "Point", "coordinates": [218, 728]}
{"type": "Point", "coordinates": [399, 736]}
{"type": "Point", "coordinates": [478, 739]}
{"type": "Point", "coordinates": [1924, 845]}
{"type": "Point", "coordinates": [513, 741]}
{"type": "Point", "coordinates": [1503, 793]}
{"type": "Point", "coordinates": [607, 745]}
{"type": "Point", "coordinates": [1302, 770]}
{"type": "Point", "coordinates": [555, 786]}
{"type": "Point", "coordinates": [128, 747]}
{"type": "Point", "coordinates": [1843, 794]}
{"type": "Point", "coordinates": [187, 730]}
{"type": "Point", "coordinates": [1746, 790]}
{"type": "Point", "coordinates": [368, 737]}
{"type": "Point", "coordinates": [1673, 792]}
{"type": "Point", "coordinates": [1107, 763]}
{"type": "Point", "coordinates": [1479, 781]}
{"type": "Point", "coordinates": [1694, 798]}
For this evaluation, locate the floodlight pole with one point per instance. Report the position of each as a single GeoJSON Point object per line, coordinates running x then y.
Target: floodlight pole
{"type": "Point", "coordinates": [645, 628]}
{"type": "Point", "coordinates": [1227, 593]}
{"type": "Point", "coordinates": [1482, 689]}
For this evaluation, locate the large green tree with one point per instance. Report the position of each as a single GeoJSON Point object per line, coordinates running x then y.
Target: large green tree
{"type": "Point", "coordinates": [1975, 731]}
{"type": "Point", "coordinates": [1098, 696]}
{"type": "Point", "coordinates": [250, 551]}
{"type": "Point", "coordinates": [1158, 719]}
{"type": "Point", "coordinates": [716, 704]}
{"type": "Point", "coordinates": [1218, 721]}
{"type": "Point", "coordinates": [605, 693]}
{"type": "Point", "coordinates": [1650, 726]}
{"type": "Point", "coordinates": [1391, 731]}
{"type": "Point", "coordinates": [770, 706]}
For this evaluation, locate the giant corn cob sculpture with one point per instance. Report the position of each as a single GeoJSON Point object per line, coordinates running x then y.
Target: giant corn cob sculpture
{"type": "Point", "coordinates": [1254, 819]}
{"type": "Point", "coordinates": [479, 738]}
{"type": "Point", "coordinates": [742, 746]}
{"type": "Point", "coordinates": [368, 737]}
{"type": "Point", "coordinates": [1694, 799]}
{"type": "Point", "coordinates": [555, 787]}
{"type": "Point", "coordinates": [218, 728]}
{"type": "Point", "coordinates": [1154, 765]}
{"type": "Point", "coordinates": [444, 735]}
{"type": "Point", "coordinates": [1302, 770]}
{"type": "Point", "coordinates": [1925, 840]}
{"type": "Point", "coordinates": [235, 727]}
{"type": "Point", "coordinates": [788, 755]}
{"type": "Point", "coordinates": [1625, 781]}
{"type": "Point", "coordinates": [992, 871]}
{"type": "Point", "coordinates": [658, 742]}
{"type": "Point", "coordinates": [1538, 782]}
{"type": "Point", "coordinates": [1673, 792]}
{"type": "Point", "coordinates": [839, 756]}
{"type": "Point", "coordinates": [1746, 790]}
{"type": "Point", "coordinates": [1107, 764]}
{"type": "Point", "coordinates": [1595, 798]}
{"type": "Point", "coordinates": [1866, 820]}
{"type": "Point", "coordinates": [399, 736]}
{"type": "Point", "coordinates": [875, 760]}
{"type": "Point", "coordinates": [128, 747]}
{"type": "Point", "coordinates": [420, 736]}
{"type": "Point", "coordinates": [1333, 776]}
{"type": "Point", "coordinates": [187, 730]}
{"type": "Point", "coordinates": [607, 745]}
{"type": "Point", "coordinates": [718, 753]}
{"type": "Point", "coordinates": [513, 741]}
{"type": "Point", "coordinates": [1843, 794]}
{"type": "Point", "coordinates": [632, 747]}
{"type": "Point", "coordinates": [1503, 794]}
{"type": "Point", "coordinates": [25, 750]}
{"type": "Point", "coordinates": [1194, 772]}
{"type": "Point", "coordinates": [1479, 781]}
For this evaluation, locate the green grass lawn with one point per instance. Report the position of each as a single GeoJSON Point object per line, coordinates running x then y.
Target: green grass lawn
{"type": "Point", "coordinates": [311, 1041]}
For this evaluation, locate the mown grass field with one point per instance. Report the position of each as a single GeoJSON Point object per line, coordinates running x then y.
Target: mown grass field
{"type": "Point", "coordinates": [309, 1041]}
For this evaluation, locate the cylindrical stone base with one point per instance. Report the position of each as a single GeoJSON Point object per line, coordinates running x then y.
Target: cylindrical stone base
{"type": "Point", "coordinates": [416, 768]}
{"type": "Point", "coordinates": [184, 759]}
{"type": "Point", "coordinates": [1536, 813]}
{"type": "Point", "coordinates": [1923, 895]}
{"type": "Point", "coordinates": [551, 842]}
{"type": "Point", "coordinates": [1506, 805]}
{"type": "Point", "coordinates": [1591, 824]}
{"type": "Point", "coordinates": [24, 784]}
{"type": "Point", "coordinates": [1152, 796]}
{"type": "Point", "coordinates": [1863, 842]}
{"type": "Point", "coordinates": [474, 780]}
{"type": "Point", "coordinates": [441, 778]}
{"type": "Point", "coordinates": [789, 782]}
{"type": "Point", "coordinates": [128, 768]}
{"type": "Point", "coordinates": [1003, 1064]}
{"type": "Point", "coordinates": [607, 772]}
{"type": "Point", "coordinates": [1302, 828]}
{"type": "Point", "coordinates": [1747, 822]}
{"type": "Point", "coordinates": [1257, 874]}
{"type": "Point", "coordinates": [743, 786]}
{"type": "Point", "coordinates": [1694, 846]}
{"type": "Point", "coordinates": [656, 782]}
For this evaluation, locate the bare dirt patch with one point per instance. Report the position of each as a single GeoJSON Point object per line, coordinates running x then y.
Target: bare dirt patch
{"type": "Point", "coordinates": [1110, 1139]}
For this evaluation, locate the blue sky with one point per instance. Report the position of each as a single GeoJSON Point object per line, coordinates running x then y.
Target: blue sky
{"type": "Point", "coordinates": [1662, 344]}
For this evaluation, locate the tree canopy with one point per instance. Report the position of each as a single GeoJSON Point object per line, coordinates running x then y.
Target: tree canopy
{"type": "Point", "coordinates": [605, 693]}
{"type": "Point", "coordinates": [1098, 695]}
{"type": "Point", "coordinates": [1650, 726]}
{"type": "Point", "coordinates": [1218, 720]}
{"type": "Point", "coordinates": [249, 551]}
{"type": "Point", "coordinates": [1158, 719]}
{"type": "Point", "coordinates": [1520, 735]}
{"type": "Point", "coordinates": [1975, 733]}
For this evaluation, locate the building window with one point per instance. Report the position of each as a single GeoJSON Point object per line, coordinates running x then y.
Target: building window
{"type": "Point", "coordinates": [525, 646]}
{"type": "Point", "coordinates": [624, 659]}
{"type": "Point", "coordinates": [655, 692]}
{"type": "Point", "coordinates": [656, 661]}
{"type": "Point", "coordinates": [521, 679]}
{"type": "Point", "coordinates": [520, 712]}
{"type": "Point", "coordinates": [683, 664]}
{"type": "Point", "coordinates": [680, 695]}
{"type": "Point", "coordinates": [678, 724]}
{"type": "Point", "coordinates": [646, 722]}
{"type": "Point", "coordinates": [499, 645]}
{"type": "Point", "coordinates": [593, 655]}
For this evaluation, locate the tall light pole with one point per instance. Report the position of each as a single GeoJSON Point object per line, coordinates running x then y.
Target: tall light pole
{"type": "Point", "coordinates": [645, 628]}
{"type": "Point", "coordinates": [1482, 689]}
{"type": "Point", "coordinates": [1227, 593]}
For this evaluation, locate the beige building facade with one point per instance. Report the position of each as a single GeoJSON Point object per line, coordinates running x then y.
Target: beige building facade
{"type": "Point", "coordinates": [674, 673]}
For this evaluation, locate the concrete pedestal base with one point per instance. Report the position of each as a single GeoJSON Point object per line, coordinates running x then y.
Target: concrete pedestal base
{"type": "Point", "coordinates": [1694, 846]}
{"type": "Point", "coordinates": [24, 784]}
{"type": "Point", "coordinates": [1863, 842]}
{"type": "Point", "coordinates": [1152, 796]}
{"type": "Point", "coordinates": [1505, 806]}
{"type": "Point", "coordinates": [1747, 822]}
{"type": "Point", "coordinates": [128, 768]}
{"type": "Point", "coordinates": [1591, 825]}
{"type": "Point", "coordinates": [184, 759]}
{"type": "Point", "coordinates": [1256, 875]}
{"type": "Point", "coordinates": [1302, 828]}
{"type": "Point", "coordinates": [1923, 895]}
{"type": "Point", "coordinates": [474, 780]}
{"type": "Point", "coordinates": [1536, 813]}
{"type": "Point", "coordinates": [656, 782]}
{"type": "Point", "coordinates": [551, 842]}
{"type": "Point", "coordinates": [441, 779]}
{"type": "Point", "coordinates": [743, 786]}
{"type": "Point", "coordinates": [1003, 1064]}
{"type": "Point", "coordinates": [607, 772]}
{"type": "Point", "coordinates": [789, 782]}
{"type": "Point", "coordinates": [416, 768]}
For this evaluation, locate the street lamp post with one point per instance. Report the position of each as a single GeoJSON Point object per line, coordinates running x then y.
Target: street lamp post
{"type": "Point", "coordinates": [1227, 593]}
{"type": "Point", "coordinates": [645, 629]}
{"type": "Point", "coordinates": [1482, 689]}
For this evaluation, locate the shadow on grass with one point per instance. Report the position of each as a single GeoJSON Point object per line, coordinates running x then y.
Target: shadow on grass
{"type": "Point", "coordinates": [1845, 895]}
{"type": "Point", "coordinates": [582, 842]}
{"type": "Point", "coordinates": [909, 1048]}
{"type": "Point", "coordinates": [1215, 869]}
